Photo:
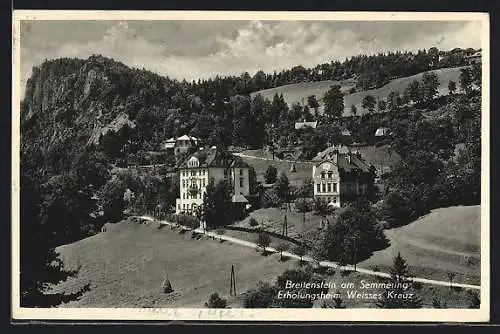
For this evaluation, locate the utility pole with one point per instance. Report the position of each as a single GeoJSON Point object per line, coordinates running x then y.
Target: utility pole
{"type": "Point", "coordinates": [232, 289]}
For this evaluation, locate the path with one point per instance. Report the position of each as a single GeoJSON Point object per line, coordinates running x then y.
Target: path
{"type": "Point", "coordinates": [321, 263]}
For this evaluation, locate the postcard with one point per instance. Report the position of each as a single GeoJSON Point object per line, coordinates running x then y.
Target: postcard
{"type": "Point", "coordinates": [250, 166]}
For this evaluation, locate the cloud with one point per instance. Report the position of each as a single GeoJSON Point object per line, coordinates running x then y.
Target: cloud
{"type": "Point", "coordinates": [192, 50]}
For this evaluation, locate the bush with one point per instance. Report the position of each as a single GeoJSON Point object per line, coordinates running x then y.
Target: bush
{"type": "Point", "coordinates": [215, 301]}
{"type": "Point", "coordinates": [188, 221]}
{"type": "Point", "coordinates": [253, 222]}
{"type": "Point", "coordinates": [271, 174]}
{"type": "Point", "coordinates": [261, 297]}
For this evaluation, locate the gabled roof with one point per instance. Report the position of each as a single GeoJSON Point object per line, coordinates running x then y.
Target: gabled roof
{"type": "Point", "coordinates": [300, 125]}
{"type": "Point", "coordinates": [186, 137]}
{"type": "Point", "coordinates": [214, 157]}
{"type": "Point", "coordinates": [239, 199]}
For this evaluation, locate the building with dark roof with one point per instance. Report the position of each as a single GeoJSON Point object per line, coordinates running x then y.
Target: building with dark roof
{"type": "Point", "coordinates": [211, 165]}
{"type": "Point", "coordinates": [341, 177]}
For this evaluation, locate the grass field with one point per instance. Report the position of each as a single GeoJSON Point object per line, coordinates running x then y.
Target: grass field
{"type": "Point", "coordinates": [445, 240]}
{"type": "Point", "coordinates": [272, 220]}
{"type": "Point", "coordinates": [303, 169]}
{"type": "Point", "coordinates": [299, 92]}
{"type": "Point", "coordinates": [126, 267]}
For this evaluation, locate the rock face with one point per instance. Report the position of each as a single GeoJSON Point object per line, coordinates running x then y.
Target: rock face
{"type": "Point", "coordinates": [70, 105]}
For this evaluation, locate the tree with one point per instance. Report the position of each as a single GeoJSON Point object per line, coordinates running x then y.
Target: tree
{"type": "Point", "coordinates": [300, 250]}
{"type": "Point", "coordinates": [393, 101]}
{"type": "Point", "coordinates": [283, 187]}
{"type": "Point", "coordinates": [381, 105]}
{"type": "Point", "coordinates": [399, 294]}
{"type": "Point", "coordinates": [354, 110]}
{"type": "Point", "coordinates": [260, 297]}
{"type": "Point", "coordinates": [271, 174]}
{"type": "Point", "coordinates": [111, 200]}
{"type": "Point", "coordinates": [369, 103]}
{"type": "Point", "coordinates": [334, 102]}
{"type": "Point", "coordinates": [399, 270]}
{"type": "Point", "coordinates": [452, 87]}
{"type": "Point", "coordinates": [466, 80]}
{"type": "Point", "coordinates": [321, 207]}
{"type": "Point", "coordinates": [302, 205]}
{"type": "Point", "coordinates": [430, 85]}
{"type": "Point", "coordinates": [414, 91]}
{"type": "Point", "coordinates": [40, 266]}
{"type": "Point", "coordinates": [282, 247]}
{"type": "Point", "coordinates": [353, 235]}
{"type": "Point", "coordinates": [312, 102]}
{"type": "Point", "coordinates": [215, 203]}
{"type": "Point", "coordinates": [263, 240]}
{"type": "Point", "coordinates": [305, 190]}
{"type": "Point", "coordinates": [215, 301]}
{"type": "Point", "coordinates": [451, 276]}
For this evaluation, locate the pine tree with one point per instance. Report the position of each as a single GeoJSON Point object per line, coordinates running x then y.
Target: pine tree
{"type": "Point", "coordinates": [393, 297]}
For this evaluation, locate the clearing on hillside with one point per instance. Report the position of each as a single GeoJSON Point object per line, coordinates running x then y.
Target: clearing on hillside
{"type": "Point", "coordinates": [445, 240]}
{"type": "Point", "coordinates": [298, 93]}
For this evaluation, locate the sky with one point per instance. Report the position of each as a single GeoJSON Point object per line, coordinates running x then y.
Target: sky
{"type": "Point", "coordinates": [202, 49]}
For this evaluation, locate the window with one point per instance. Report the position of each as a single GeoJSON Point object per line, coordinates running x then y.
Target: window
{"type": "Point", "coordinates": [335, 200]}
{"type": "Point", "coordinates": [184, 196]}
{"type": "Point", "coordinates": [329, 175]}
{"type": "Point", "coordinates": [203, 182]}
{"type": "Point", "coordinates": [178, 206]}
{"type": "Point", "coordinates": [183, 183]}
{"type": "Point", "coordinates": [335, 187]}
{"type": "Point", "coordinates": [241, 182]}
{"type": "Point", "coordinates": [329, 187]}
{"type": "Point", "coordinates": [318, 187]}
{"type": "Point", "coordinates": [322, 175]}
{"type": "Point", "coordinates": [241, 171]}
{"type": "Point", "coordinates": [212, 181]}
{"type": "Point", "coordinates": [323, 187]}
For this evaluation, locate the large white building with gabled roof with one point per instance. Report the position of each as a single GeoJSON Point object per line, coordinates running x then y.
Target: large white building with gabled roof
{"type": "Point", "coordinates": [211, 166]}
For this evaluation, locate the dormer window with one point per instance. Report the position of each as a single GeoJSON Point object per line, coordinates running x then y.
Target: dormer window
{"type": "Point", "coordinates": [322, 175]}
{"type": "Point", "coordinates": [193, 162]}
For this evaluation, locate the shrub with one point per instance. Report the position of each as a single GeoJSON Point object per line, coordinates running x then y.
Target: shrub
{"type": "Point", "coordinates": [215, 301]}
{"type": "Point", "coordinates": [253, 222]}
{"type": "Point", "coordinates": [271, 174]}
{"type": "Point", "coordinates": [261, 297]}
{"type": "Point", "coordinates": [188, 221]}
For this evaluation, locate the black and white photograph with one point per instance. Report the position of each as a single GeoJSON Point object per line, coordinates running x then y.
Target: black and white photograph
{"type": "Point", "coordinates": [250, 165]}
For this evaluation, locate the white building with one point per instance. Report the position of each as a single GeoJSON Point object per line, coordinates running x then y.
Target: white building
{"type": "Point", "coordinates": [342, 177]}
{"type": "Point", "coordinates": [181, 144]}
{"type": "Point", "coordinates": [211, 166]}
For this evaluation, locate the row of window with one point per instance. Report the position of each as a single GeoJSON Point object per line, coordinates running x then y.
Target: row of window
{"type": "Point", "coordinates": [186, 206]}
{"type": "Point", "coordinates": [328, 175]}
{"type": "Point", "coordinates": [226, 173]}
{"type": "Point", "coordinates": [198, 195]}
{"type": "Point", "coordinates": [326, 187]}
{"type": "Point", "coordinates": [201, 172]}
{"type": "Point", "coordinates": [194, 183]}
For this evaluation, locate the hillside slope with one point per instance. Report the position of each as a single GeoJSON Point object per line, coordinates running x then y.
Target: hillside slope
{"type": "Point", "coordinates": [126, 266]}
{"type": "Point", "coordinates": [445, 240]}
{"type": "Point", "coordinates": [298, 93]}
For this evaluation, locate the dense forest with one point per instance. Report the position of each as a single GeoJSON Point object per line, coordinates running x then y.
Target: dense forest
{"type": "Point", "coordinates": [81, 119]}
